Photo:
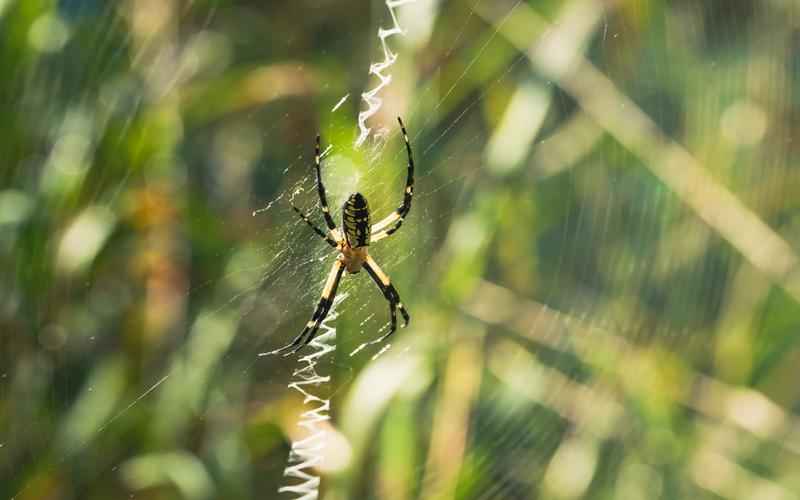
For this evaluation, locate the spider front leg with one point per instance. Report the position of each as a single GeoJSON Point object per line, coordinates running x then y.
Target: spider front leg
{"type": "Point", "coordinates": [323, 307]}
{"type": "Point", "coordinates": [323, 201]}
{"type": "Point", "coordinates": [395, 219]}
{"type": "Point", "coordinates": [331, 236]}
{"type": "Point", "coordinates": [390, 292]}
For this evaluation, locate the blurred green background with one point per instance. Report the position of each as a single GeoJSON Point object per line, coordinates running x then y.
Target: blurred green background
{"type": "Point", "coordinates": [601, 261]}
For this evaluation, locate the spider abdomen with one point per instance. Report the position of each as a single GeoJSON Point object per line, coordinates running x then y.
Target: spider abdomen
{"type": "Point", "coordinates": [356, 221]}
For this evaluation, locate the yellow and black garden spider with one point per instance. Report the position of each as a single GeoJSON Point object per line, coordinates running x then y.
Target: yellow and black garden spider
{"type": "Point", "coordinates": [352, 242]}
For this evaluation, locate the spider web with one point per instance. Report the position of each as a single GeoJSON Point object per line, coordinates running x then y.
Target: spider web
{"type": "Point", "coordinates": [591, 258]}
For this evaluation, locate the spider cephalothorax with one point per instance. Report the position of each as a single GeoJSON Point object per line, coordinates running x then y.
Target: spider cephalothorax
{"type": "Point", "coordinates": [352, 241]}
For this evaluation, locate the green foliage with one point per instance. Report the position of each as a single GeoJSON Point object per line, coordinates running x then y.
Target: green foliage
{"type": "Point", "coordinates": [600, 263]}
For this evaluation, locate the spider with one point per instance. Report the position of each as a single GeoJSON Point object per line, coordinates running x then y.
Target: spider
{"type": "Point", "coordinates": [352, 241]}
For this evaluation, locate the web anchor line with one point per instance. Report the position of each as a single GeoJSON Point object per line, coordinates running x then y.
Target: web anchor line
{"type": "Point", "coordinates": [371, 97]}
{"type": "Point", "coordinates": [308, 453]}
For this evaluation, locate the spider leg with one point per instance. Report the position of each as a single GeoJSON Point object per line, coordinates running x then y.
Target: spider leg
{"type": "Point", "coordinates": [323, 201]}
{"type": "Point", "coordinates": [317, 230]}
{"type": "Point", "coordinates": [323, 307]}
{"type": "Point", "coordinates": [382, 229]}
{"type": "Point", "coordinates": [390, 292]}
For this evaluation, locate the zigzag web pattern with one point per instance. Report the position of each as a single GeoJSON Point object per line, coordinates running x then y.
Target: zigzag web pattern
{"type": "Point", "coordinates": [308, 453]}
{"type": "Point", "coordinates": [371, 97]}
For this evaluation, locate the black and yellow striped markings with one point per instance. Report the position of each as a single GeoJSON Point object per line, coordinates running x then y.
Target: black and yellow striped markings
{"type": "Point", "coordinates": [382, 276]}
{"type": "Point", "coordinates": [356, 220]}
{"type": "Point", "coordinates": [389, 291]}
{"type": "Point", "coordinates": [332, 280]}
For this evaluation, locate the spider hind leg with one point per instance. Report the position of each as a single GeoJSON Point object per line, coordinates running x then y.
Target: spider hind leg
{"type": "Point", "coordinates": [320, 313]}
{"type": "Point", "coordinates": [390, 293]}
